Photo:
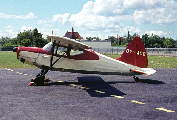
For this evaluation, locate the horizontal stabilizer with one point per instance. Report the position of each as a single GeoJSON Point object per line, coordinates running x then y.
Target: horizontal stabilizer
{"type": "Point", "coordinates": [147, 71]}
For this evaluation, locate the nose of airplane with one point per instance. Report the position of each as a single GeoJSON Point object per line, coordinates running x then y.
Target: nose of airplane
{"type": "Point", "coordinates": [15, 49]}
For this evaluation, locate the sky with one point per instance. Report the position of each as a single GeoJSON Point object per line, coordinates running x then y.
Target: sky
{"type": "Point", "coordinates": [91, 18]}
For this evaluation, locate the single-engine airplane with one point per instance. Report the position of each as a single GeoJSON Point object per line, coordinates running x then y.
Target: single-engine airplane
{"type": "Point", "coordinates": [64, 54]}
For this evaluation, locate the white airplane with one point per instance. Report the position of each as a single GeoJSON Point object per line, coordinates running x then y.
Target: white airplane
{"type": "Point", "coordinates": [68, 55]}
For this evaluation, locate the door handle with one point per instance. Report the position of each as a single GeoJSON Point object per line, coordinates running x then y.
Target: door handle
{"type": "Point", "coordinates": [45, 56]}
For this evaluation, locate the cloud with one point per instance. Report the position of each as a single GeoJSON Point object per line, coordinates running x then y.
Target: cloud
{"type": "Point", "coordinates": [2, 15]}
{"type": "Point", "coordinates": [61, 18]}
{"type": "Point", "coordinates": [99, 15]}
{"type": "Point", "coordinates": [8, 26]}
{"type": "Point", "coordinates": [43, 21]}
{"type": "Point", "coordinates": [8, 33]}
{"type": "Point", "coordinates": [159, 33]}
{"type": "Point", "coordinates": [109, 7]}
{"type": "Point", "coordinates": [26, 28]}
{"type": "Point", "coordinates": [155, 16]}
{"type": "Point", "coordinates": [28, 16]}
{"type": "Point", "coordinates": [46, 31]}
{"type": "Point", "coordinates": [142, 4]}
{"type": "Point", "coordinates": [154, 12]}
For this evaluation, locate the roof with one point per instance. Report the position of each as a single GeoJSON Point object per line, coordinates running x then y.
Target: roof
{"type": "Point", "coordinates": [76, 35]}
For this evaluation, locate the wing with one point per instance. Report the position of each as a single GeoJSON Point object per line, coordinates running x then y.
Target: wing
{"type": "Point", "coordinates": [67, 42]}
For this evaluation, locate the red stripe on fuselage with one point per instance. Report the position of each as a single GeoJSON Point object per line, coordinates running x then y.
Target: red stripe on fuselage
{"type": "Point", "coordinates": [87, 55]}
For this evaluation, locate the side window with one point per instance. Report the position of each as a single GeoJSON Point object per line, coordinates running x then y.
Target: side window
{"type": "Point", "coordinates": [75, 52]}
{"type": "Point", "coordinates": [59, 50]}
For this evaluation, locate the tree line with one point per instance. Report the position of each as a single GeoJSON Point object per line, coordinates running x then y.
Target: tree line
{"type": "Point", "coordinates": [34, 38]}
{"type": "Point", "coordinates": [27, 38]}
{"type": "Point", "coordinates": [153, 41]}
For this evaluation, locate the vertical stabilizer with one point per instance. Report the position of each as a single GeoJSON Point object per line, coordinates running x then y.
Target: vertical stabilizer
{"type": "Point", "coordinates": [135, 54]}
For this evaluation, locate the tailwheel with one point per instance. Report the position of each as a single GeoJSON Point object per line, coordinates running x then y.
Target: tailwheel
{"type": "Point", "coordinates": [136, 79]}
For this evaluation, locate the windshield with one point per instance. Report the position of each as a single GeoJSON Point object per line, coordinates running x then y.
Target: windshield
{"type": "Point", "coordinates": [48, 47]}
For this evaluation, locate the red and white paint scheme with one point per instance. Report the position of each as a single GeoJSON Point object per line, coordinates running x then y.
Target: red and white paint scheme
{"type": "Point", "coordinates": [66, 54]}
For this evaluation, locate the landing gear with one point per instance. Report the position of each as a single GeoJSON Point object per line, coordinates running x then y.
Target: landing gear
{"type": "Point", "coordinates": [136, 79]}
{"type": "Point", "coordinates": [40, 79]}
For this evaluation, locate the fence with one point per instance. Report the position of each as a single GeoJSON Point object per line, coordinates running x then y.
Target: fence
{"type": "Point", "coordinates": [6, 48]}
{"type": "Point", "coordinates": [149, 51]}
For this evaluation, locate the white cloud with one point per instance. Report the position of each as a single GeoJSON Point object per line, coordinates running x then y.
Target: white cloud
{"type": "Point", "coordinates": [155, 16]}
{"type": "Point", "coordinates": [8, 33]}
{"type": "Point", "coordinates": [28, 16]}
{"type": "Point", "coordinates": [157, 12]}
{"type": "Point", "coordinates": [106, 17]}
{"type": "Point", "coordinates": [142, 4]}
{"type": "Point", "coordinates": [159, 33]}
{"type": "Point", "coordinates": [61, 18]}
{"type": "Point", "coordinates": [8, 26]}
{"type": "Point", "coordinates": [43, 21]}
{"type": "Point", "coordinates": [25, 28]}
{"type": "Point", "coordinates": [46, 31]}
{"type": "Point", "coordinates": [109, 7]}
{"type": "Point", "coordinates": [2, 15]}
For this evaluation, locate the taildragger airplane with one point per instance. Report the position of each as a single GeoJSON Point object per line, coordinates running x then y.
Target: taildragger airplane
{"type": "Point", "coordinates": [68, 55]}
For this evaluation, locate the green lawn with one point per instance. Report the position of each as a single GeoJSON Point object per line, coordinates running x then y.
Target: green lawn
{"type": "Point", "coordinates": [157, 61]}
{"type": "Point", "coordinates": [9, 60]}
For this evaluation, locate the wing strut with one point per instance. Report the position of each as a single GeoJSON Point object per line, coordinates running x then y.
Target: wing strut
{"type": "Point", "coordinates": [51, 59]}
{"type": "Point", "coordinates": [40, 78]}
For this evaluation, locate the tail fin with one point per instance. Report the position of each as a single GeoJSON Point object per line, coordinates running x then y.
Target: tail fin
{"type": "Point", "coordinates": [135, 54]}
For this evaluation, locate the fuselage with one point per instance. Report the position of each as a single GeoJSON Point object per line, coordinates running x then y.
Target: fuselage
{"type": "Point", "coordinates": [65, 54]}
{"type": "Point", "coordinates": [88, 61]}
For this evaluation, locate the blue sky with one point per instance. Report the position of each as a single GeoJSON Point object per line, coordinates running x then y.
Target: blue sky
{"type": "Point", "coordinates": [99, 18]}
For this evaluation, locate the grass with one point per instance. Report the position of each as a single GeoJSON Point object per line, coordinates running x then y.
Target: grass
{"type": "Point", "coordinates": [157, 61]}
{"type": "Point", "coordinates": [9, 60]}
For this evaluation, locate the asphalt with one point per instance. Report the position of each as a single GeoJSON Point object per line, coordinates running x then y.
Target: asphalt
{"type": "Point", "coordinates": [74, 96]}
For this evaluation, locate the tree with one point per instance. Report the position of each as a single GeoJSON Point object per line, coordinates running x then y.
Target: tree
{"type": "Point", "coordinates": [89, 38]}
{"type": "Point", "coordinates": [145, 39]}
{"type": "Point", "coordinates": [31, 38]}
{"type": "Point", "coordinates": [113, 40]}
{"type": "Point", "coordinates": [166, 42]}
{"type": "Point", "coordinates": [26, 42]}
{"type": "Point", "coordinates": [4, 41]}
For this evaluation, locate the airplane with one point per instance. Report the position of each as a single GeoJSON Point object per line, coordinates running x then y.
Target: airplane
{"type": "Point", "coordinates": [68, 55]}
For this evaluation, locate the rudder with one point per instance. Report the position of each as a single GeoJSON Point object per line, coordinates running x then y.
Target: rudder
{"type": "Point", "coordinates": [135, 54]}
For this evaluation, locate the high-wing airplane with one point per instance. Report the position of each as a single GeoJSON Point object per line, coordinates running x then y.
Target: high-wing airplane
{"type": "Point", "coordinates": [68, 55]}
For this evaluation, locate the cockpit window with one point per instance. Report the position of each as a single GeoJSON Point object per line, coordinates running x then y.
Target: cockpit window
{"type": "Point", "coordinates": [48, 47]}
{"type": "Point", "coordinates": [61, 50]}
{"type": "Point", "coordinates": [76, 52]}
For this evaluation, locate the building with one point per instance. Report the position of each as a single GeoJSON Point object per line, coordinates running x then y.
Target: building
{"type": "Point", "coordinates": [98, 44]}
{"type": "Point", "coordinates": [93, 44]}
{"type": "Point", "coordinates": [73, 35]}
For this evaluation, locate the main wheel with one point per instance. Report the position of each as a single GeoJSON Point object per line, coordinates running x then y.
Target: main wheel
{"type": "Point", "coordinates": [39, 80]}
{"type": "Point", "coordinates": [136, 79]}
